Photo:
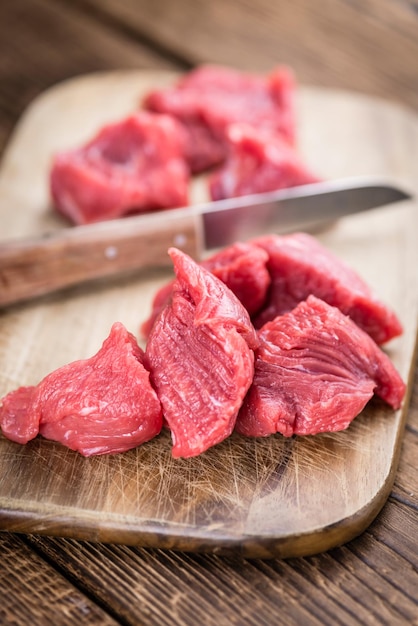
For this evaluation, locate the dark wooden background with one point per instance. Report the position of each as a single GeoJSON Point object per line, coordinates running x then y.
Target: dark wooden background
{"type": "Point", "coordinates": [369, 46]}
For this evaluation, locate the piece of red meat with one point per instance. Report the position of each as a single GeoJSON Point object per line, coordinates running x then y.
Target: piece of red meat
{"type": "Point", "coordinates": [209, 99]}
{"type": "Point", "coordinates": [131, 166]}
{"type": "Point", "coordinates": [315, 370]}
{"type": "Point", "coordinates": [241, 266]}
{"type": "Point", "coordinates": [104, 404]}
{"type": "Point", "coordinates": [299, 266]}
{"type": "Point", "coordinates": [19, 419]}
{"type": "Point", "coordinates": [243, 270]}
{"type": "Point", "coordinates": [257, 162]}
{"type": "Point", "coordinates": [200, 354]}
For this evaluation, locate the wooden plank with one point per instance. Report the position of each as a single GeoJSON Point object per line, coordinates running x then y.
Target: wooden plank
{"type": "Point", "coordinates": [364, 46]}
{"type": "Point", "coordinates": [355, 584]}
{"type": "Point", "coordinates": [34, 592]}
{"type": "Point", "coordinates": [43, 43]}
{"type": "Point", "coordinates": [145, 496]}
{"type": "Point", "coordinates": [406, 484]}
{"type": "Point", "coordinates": [397, 530]}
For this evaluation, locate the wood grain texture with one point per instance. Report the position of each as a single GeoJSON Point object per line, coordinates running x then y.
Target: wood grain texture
{"type": "Point", "coordinates": [44, 42]}
{"type": "Point", "coordinates": [32, 267]}
{"type": "Point", "coordinates": [349, 585]}
{"type": "Point", "coordinates": [365, 46]}
{"type": "Point", "coordinates": [39, 587]}
{"type": "Point", "coordinates": [252, 496]}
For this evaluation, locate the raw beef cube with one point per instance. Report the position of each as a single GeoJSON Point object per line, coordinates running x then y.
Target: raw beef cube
{"type": "Point", "coordinates": [299, 266]}
{"type": "Point", "coordinates": [100, 405]}
{"type": "Point", "coordinates": [314, 372]}
{"type": "Point", "coordinates": [18, 419]}
{"type": "Point", "coordinates": [257, 162]}
{"type": "Point", "coordinates": [200, 354]}
{"type": "Point", "coordinates": [243, 269]}
{"type": "Point", "coordinates": [241, 266]}
{"type": "Point", "coordinates": [130, 166]}
{"type": "Point", "coordinates": [210, 98]}
{"type": "Point", "coordinates": [203, 149]}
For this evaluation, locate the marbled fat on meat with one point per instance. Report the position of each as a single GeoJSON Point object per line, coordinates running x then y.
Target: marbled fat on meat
{"type": "Point", "coordinates": [200, 354]}
{"type": "Point", "coordinates": [315, 370]}
{"type": "Point", "coordinates": [104, 404]}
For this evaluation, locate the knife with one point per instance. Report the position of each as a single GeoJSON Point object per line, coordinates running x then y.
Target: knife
{"type": "Point", "coordinates": [42, 265]}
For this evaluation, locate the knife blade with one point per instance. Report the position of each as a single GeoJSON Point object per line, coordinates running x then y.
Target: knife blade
{"type": "Point", "coordinates": [70, 256]}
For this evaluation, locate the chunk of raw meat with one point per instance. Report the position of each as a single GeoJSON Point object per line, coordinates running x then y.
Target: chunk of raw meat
{"type": "Point", "coordinates": [243, 270]}
{"type": "Point", "coordinates": [299, 266]}
{"type": "Point", "coordinates": [210, 98]}
{"type": "Point", "coordinates": [315, 370]}
{"type": "Point", "coordinates": [200, 354]}
{"type": "Point", "coordinates": [257, 162]}
{"type": "Point", "coordinates": [100, 405]}
{"type": "Point", "coordinates": [130, 166]}
{"type": "Point", "coordinates": [19, 420]}
{"type": "Point", "coordinates": [241, 266]}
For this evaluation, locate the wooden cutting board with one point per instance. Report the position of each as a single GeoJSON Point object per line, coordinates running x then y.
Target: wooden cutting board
{"type": "Point", "coordinates": [267, 497]}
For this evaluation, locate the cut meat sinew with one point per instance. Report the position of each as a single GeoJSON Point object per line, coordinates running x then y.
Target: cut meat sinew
{"type": "Point", "coordinates": [300, 266]}
{"type": "Point", "coordinates": [200, 354]}
{"type": "Point", "coordinates": [315, 370]}
{"type": "Point", "coordinates": [100, 405]}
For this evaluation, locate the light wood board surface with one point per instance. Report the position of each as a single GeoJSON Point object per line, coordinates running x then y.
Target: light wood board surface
{"type": "Point", "coordinates": [262, 497]}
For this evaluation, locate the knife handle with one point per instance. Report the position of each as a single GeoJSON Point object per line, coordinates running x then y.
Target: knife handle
{"type": "Point", "coordinates": [35, 267]}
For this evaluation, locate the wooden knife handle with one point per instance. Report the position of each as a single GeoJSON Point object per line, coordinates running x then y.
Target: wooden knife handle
{"type": "Point", "coordinates": [34, 267]}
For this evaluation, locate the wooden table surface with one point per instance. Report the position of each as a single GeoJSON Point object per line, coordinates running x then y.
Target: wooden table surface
{"type": "Point", "coordinates": [368, 46]}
